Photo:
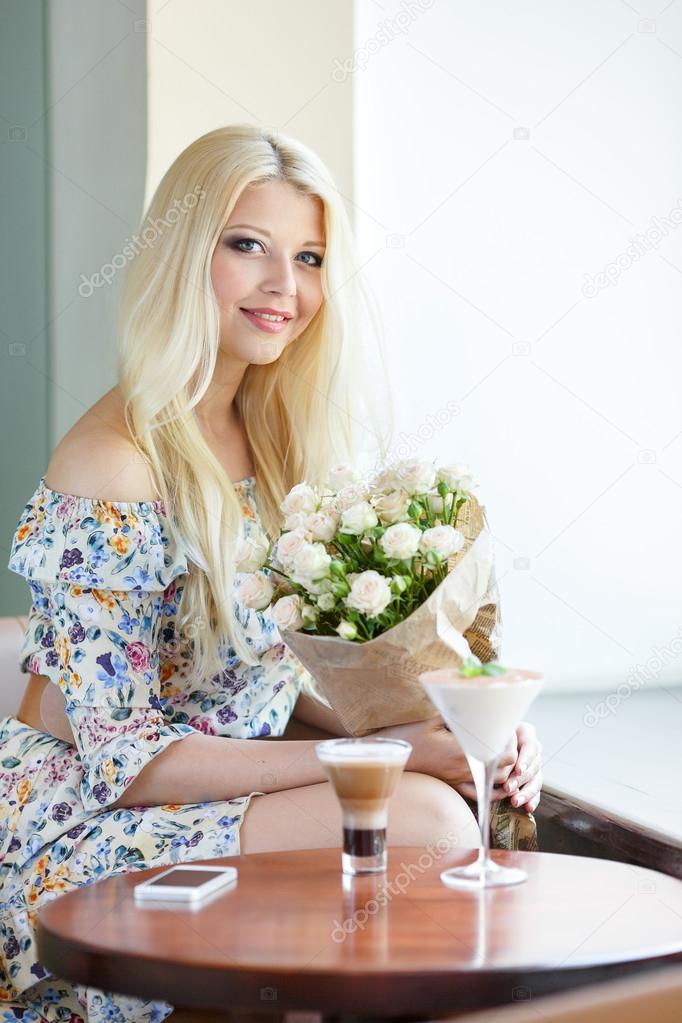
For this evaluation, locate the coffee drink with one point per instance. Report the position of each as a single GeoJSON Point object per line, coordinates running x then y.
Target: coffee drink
{"type": "Point", "coordinates": [364, 774]}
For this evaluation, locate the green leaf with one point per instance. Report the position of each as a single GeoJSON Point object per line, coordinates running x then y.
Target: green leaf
{"type": "Point", "coordinates": [491, 668]}
{"type": "Point", "coordinates": [472, 668]}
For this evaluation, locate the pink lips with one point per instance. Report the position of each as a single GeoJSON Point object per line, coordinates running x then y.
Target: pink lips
{"type": "Point", "coordinates": [268, 326]}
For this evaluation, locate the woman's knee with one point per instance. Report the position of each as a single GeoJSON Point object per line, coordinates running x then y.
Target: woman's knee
{"type": "Point", "coordinates": [302, 818]}
{"type": "Point", "coordinates": [425, 810]}
{"type": "Point", "coordinates": [422, 811]}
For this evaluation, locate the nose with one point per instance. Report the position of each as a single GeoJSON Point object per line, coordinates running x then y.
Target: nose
{"type": "Point", "coordinates": [281, 280]}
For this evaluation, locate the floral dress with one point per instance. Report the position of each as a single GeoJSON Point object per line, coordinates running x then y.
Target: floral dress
{"type": "Point", "coordinates": [105, 580]}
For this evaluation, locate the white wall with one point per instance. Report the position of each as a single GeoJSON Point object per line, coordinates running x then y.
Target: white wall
{"type": "Point", "coordinates": [96, 116]}
{"type": "Point", "coordinates": [130, 85]}
{"type": "Point", "coordinates": [216, 62]}
{"type": "Point", "coordinates": [503, 152]}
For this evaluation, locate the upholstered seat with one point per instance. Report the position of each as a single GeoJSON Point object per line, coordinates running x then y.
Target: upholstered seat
{"type": "Point", "coordinates": [13, 681]}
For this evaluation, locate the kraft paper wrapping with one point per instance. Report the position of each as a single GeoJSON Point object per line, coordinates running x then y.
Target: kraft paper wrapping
{"type": "Point", "coordinates": [375, 684]}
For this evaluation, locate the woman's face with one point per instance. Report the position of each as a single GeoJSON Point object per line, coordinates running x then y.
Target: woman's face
{"type": "Point", "coordinates": [273, 263]}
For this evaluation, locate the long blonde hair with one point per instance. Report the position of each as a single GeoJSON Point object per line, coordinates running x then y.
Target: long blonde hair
{"type": "Point", "coordinates": [299, 412]}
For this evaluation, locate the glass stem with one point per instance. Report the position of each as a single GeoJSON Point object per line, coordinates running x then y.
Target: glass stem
{"type": "Point", "coordinates": [484, 777]}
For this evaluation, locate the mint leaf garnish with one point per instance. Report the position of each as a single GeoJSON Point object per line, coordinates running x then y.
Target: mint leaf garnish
{"type": "Point", "coordinates": [472, 667]}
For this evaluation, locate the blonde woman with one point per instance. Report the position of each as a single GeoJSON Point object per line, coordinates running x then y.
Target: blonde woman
{"type": "Point", "coordinates": [154, 695]}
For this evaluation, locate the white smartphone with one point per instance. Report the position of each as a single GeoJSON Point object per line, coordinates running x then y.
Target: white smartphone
{"type": "Point", "coordinates": [186, 883]}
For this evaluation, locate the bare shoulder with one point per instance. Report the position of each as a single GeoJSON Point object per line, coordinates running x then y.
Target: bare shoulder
{"type": "Point", "coordinates": [97, 457]}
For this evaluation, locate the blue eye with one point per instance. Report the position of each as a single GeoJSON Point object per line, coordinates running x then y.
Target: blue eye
{"type": "Point", "coordinates": [254, 241]}
{"type": "Point", "coordinates": [242, 241]}
{"type": "Point", "coordinates": [318, 259]}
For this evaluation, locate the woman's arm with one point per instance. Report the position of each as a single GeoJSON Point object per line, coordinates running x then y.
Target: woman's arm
{"type": "Point", "coordinates": [203, 768]}
{"type": "Point", "coordinates": [211, 767]}
{"type": "Point", "coordinates": [312, 712]}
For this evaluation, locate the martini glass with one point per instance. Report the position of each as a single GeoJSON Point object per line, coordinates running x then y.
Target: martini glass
{"type": "Point", "coordinates": [482, 711]}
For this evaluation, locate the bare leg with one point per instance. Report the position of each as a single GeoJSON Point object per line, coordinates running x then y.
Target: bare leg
{"type": "Point", "coordinates": [422, 811]}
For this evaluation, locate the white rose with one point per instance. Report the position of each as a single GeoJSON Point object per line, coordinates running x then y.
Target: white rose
{"type": "Point", "coordinates": [358, 518]}
{"type": "Point", "coordinates": [436, 503]}
{"type": "Point", "coordinates": [415, 477]}
{"type": "Point", "coordinates": [346, 630]}
{"type": "Point", "coordinates": [401, 540]}
{"type": "Point", "coordinates": [456, 477]}
{"type": "Point", "coordinates": [256, 591]}
{"type": "Point", "coordinates": [328, 503]}
{"type": "Point", "coordinates": [288, 546]}
{"type": "Point", "coordinates": [321, 525]}
{"type": "Point", "coordinates": [251, 553]}
{"type": "Point", "coordinates": [393, 507]}
{"type": "Point", "coordinates": [370, 594]}
{"type": "Point", "coordinates": [286, 613]}
{"type": "Point", "coordinates": [341, 476]}
{"type": "Point", "coordinates": [326, 602]}
{"type": "Point", "coordinates": [354, 493]}
{"type": "Point", "coordinates": [296, 520]}
{"type": "Point", "coordinates": [443, 540]}
{"type": "Point", "coordinates": [301, 498]}
{"type": "Point", "coordinates": [384, 480]}
{"type": "Point", "coordinates": [311, 561]}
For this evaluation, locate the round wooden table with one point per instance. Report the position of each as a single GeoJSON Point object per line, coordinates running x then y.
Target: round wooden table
{"type": "Point", "coordinates": [295, 934]}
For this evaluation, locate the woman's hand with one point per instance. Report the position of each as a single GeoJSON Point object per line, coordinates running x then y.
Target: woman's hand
{"type": "Point", "coordinates": [518, 772]}
{"type": "Point", "coordinates": [435, 750]}
{"type": "Point", "coordinates": [525, 780]}
{"type": "Point", "coordinates": [502, 776]}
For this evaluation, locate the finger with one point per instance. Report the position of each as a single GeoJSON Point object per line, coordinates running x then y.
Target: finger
{"type": "Point", "coordinates": [517, 781]}
{"type": "Point", "coordinates": [509, 754]}
{"type": "Point", "coordinates": [528, 790]}
{"type": "Point", "coordinates": [503, 770]}
{"type": "Point", "coordinates": [526, 736]}
{"type": "Point", "coordinates": [529, 750]}
{"type": "Point", "coordinates": [469, 792]}
{"type": "Point", "coordinates": [525, 730]}
{"type": "Point", "coordinates": [502, 773]}
{"type": "Point", "coordinates": [525, 794]}
{"type": "Point", "coordinates": [531, 806]}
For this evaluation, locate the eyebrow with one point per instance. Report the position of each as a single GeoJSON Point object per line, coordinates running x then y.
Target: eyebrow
{"type": "Point", "coordinates": [267, 234]}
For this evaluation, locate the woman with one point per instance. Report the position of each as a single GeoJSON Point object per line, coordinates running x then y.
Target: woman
{"type": "Point", "coordinates": [236, 350]}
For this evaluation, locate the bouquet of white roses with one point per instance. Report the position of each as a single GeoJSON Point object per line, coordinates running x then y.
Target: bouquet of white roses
{"type": "Point", "coordinates": [373, 582]}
